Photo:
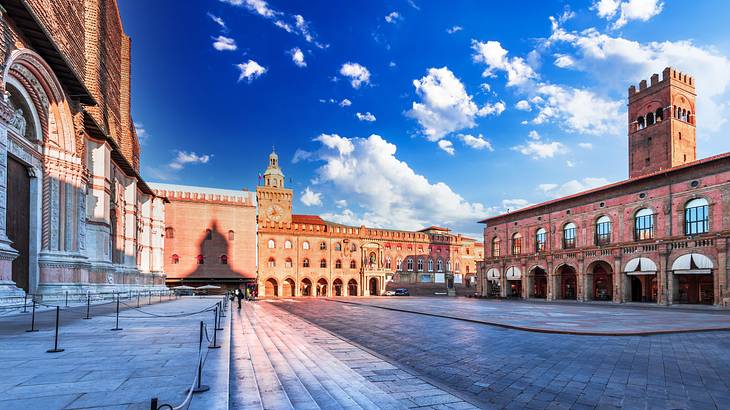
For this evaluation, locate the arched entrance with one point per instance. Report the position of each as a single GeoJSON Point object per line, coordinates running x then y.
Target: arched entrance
{"type": "Point", "coordinates": [337, 287]}
{"type": "Point", "coordinates": [514, 282]}
{"type": "Point", "coordinates": [271, 288]}
{"type": "Point", "coordinates": [538, 278]}
{"type": "Point", "coordinates": [306, 287]}
{"type": "Point", "coordinates": [601, 278]}
{"type": "Point", "coordinates": [18, 221]}
{"type": "Point", "coordinates": [567, 286]}
{"type": "Point", "coordinates": [373, 285]}
{"type": "Point", "coordinates": [287, 288]}
{"type": "Point", "coordinates": [322, 287]}
{"type": "Point", "coordinates": [693, 279]}
{"type": "Point", "coordinates": [352, 287]}
{"type": "Point", "coordinates": [641, 280]}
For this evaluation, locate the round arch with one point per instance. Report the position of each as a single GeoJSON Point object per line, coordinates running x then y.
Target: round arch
{"type": "Point", "coordinates": [305, 287]}
{"type": "Point", "coordinates": [288, 287]}
{"type": "Point", "coordinates": [337, 287]}
{"type": "Point", "coordinates": [352, 287]}
{"type": "Point", "coordinates": [599, 280]}
{"type": "Point", "coordinates": [271, 287]}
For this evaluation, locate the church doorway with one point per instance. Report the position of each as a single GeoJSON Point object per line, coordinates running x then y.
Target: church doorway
{"type": "Point", "coordinates": [373, 285]}
{"type": "Point", "coordinates": [18, 220]}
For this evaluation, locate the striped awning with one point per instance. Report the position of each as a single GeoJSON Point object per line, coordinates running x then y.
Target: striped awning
{"type": "Point", "coordinates": [493, 274]}
{"type": "Point", "coordinates": [692, 264]}
{"type": "Point", "coordinates": [640, 266]}
{"type": "Point", "coordinates": [514, 273]}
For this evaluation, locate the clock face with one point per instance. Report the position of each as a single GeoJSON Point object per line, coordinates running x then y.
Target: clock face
{"type": "Point", "coordinates": [275, 212]}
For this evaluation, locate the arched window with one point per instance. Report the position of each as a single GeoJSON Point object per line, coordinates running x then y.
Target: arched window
{"type": "Point", "coordinates": [272, 262]}
{"type": "Point", "coordinates": [448, 266]}
{"type": "Point", "coordinates": [338, 264]}
{"type": "Point", "coordinates": [644, 224]}
{"type": "Point", "coordinates": [603, 230]}
{"type": "Point", "coordinates": [288, 263]}
{"type": "Point", "coordinates": [439, 265]}
{"type": "Point", "coordinates": [353, 264]}
{"type": "Point", "coordinates": [323, 263]}
{"type": "Point", "coordinates": [516, 243]}
{"type": "Point", "coordinates": [305, 263]}
{"type": "Point", "coordinates": [353, 247]}
{"type": "Point", "coordinates": [305, 245]}
{"type": "Point", "coordinates": [650, 119]}
{"type": "Point", "coordinates": [175, 259]}
{"type": "Point", "coordinates": [696, 217]}
{"type": "Point", "coordinates": [231, 235]}
{"type": "Point", "coordinates": [640, 123]}
{"type": "Point", "coordinates": [430, 264]}
{"type": "Point", "coordinates": [169, 232]}
{"type": "Point", "coordinates": [224, 259]}
{"type": "Point", "coordinates": [496, 247]}
{"type": "Point", "coordinates": [569, 233]}
{"type": "Point", "coordinates": [208, 234]}
{"type": "Point", "coordinates": [659, 114]}
{"type": "Point", "coordinates": [271, 244]}
{"type": "Point", "coordinates": [387, 262]}
{"type": "Point", "coordinates": [409, 264]}
{"type": "Point", "coordinates": [398, 264]}
{"type": "Point", "coordinates": [322, 246]}
{"type": "Point", "coordinates": [287, 244]}
{"type": "Point", "coordinates": [200, 259]}
{"type": "Point", "coordinates": [689, 117]}
{"type": "Point", "coordinates": [540, 240]}
{"type": "Point", "coordinates": [338, 246]}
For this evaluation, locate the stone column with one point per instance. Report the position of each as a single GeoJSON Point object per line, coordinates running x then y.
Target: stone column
{"type": "Point", "coordinates": [720, 271]}
{"type": "Point", "coordinates": [618, 281]}
{"type": "Point", "coordinates": [665, 278]}
{"type": "Point", "coordinates": [130, 223]}
{"type": "Point", "coordinates": [157, 239]}
{"type": "Point", "coordinates": [581, 282]}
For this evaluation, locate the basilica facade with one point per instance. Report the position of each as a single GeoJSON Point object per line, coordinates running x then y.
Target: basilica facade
{"type": "Point", "coordinates": [75, 215]}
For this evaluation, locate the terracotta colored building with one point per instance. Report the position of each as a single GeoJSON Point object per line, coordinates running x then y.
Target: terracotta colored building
{"type": "Point", "coordinates": [659, 237]}
{"type": "Point", "coordinates": [210, 236]}
{"type": "Point", "coordinates": [75, 215]}
{"type": "Point", "coordinates": [304, 255]}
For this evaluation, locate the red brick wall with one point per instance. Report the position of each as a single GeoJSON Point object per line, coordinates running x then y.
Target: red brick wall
{"type": "Point", "coordinates": [64, 21]}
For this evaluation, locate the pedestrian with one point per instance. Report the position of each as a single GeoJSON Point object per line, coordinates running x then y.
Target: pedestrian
{"type": "Point", "coordinates": [239, 296]}
{"type": "Point", "coordinates": [248, 293]}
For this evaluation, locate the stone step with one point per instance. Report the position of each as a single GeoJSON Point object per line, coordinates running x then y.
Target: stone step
{"type": "Point", "coordinates": [244, 389]}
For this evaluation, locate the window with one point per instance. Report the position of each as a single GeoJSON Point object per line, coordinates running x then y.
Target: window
{"type": "Point", "coordinates": [353, 247]}
{"type": "Point", "coordinates": [338, 246]}
{"type": "Point", "coordinates": [231, 235]}
{"type": "Point", "coordinates": [419, 265]}
{"type": "Point", "coordinates": [224, 260]}
{"type": "Point", "coordinates": [323, 263]}
{"type": "Point", "coordinates": [650, 119]}
{"type": "Point", "coordinates": [208, 234]}
{"type": "Point", "coordinates": [440, 265]}
{"type": "Point", "coordinates": [696, 217]}
{"type": "Point", "coordinates": [387, 263]}
{"type": "Point", "coordinates": [409, 264]}
{"type": "Point", "coordinates": [305, 245]}
{"type": "Point", "coordinates": [305, 263]}
{"type": "Point", "coordinates": [338, 264]}
{"type": "Point", "coordinates": [399, 264]}
{"type": "Point", "coordinates": [540, 240]}
{"type": "Point", "coordinates": [467, 251]}
{"type": "Point", "coordinates": [430, 265]}
{"type": "Point", "coordinates": [353, 264]}
{"type": "Point", "coordinates": [200, 259]}
{"type": "Point", "coordinates": [288, 263]}
{"type": "Point", "coordinates": [175, 259]}
{"type": "Point", "coordinates": [272, 262]}
{"type": "Point", "coordinates": [603, 230]}
{"type": "Point", "coordinates": [644, 224]}
{"type": "Point", "coordinates": [640, 123]}
{"type": "Point", "coordinates": [272, 244]}
{"type": "Point", "coordinates": [496, 247]}
{"type": "Point", "coordinates": [448, 266]}
{"type": "Point", "coordinates": [516, 243]}
{"type": "Point", "coordinates": [169, 232]}
{"type": "Point", "coordinates": [322, 246]}
{"type": "Point", "coordinates": [569, 235]}
{"type": "Point", "coordinates": [287, 244]}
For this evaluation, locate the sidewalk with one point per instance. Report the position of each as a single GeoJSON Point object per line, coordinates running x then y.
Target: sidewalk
{"type": "Point", "coordinates": [153, 356]}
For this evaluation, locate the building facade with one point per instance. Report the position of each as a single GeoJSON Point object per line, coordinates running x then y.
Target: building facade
{"type": "Point", "coordinates": [659, 237]}
{"type": "Point", "coordinates": [304, 255]}
{"type": "Point", "coordinates": [210, 236]}
{"type": "Point", "coordinates": [75, 215]}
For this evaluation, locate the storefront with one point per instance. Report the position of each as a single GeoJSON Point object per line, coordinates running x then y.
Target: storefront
{"type": "Point", "coordinates": [493, 283]}
{"type": "Point", "coordinates": [693, 279]}
{"type": "Point", "coordinates": [514, 282]}
{"type": "Point", "coordinates": [641, 280]}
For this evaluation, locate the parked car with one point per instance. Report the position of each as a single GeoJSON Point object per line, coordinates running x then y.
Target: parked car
{"type": "Point", "coordinates": [389, 293]}
{"type": "Point", "coordinates": [402, 292]}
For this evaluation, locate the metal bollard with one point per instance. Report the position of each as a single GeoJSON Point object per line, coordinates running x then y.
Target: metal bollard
{"type": "Point", "coordinates": [137, 298]}
{"type": "Point", "coordinates": [153, 404]}
{"type": "Point", "coordinates": [201, 387]}
{"type": "Point", "coordinates": [215, 345]}
{"type": "Point", "coordinates": [117, 325]}
{"type": "Point", "coordinates": [32, 320]}
{"type": "Point", "coordinates": [55, 343]}
{"type": "Point", "coordinates": [25, 303]}
{"type": "Point", "coordinates": [88, 306]}
{"type": "Point", "coordinates": [66, 298]}
{"type": "Point", "coordinates": [149, 293]}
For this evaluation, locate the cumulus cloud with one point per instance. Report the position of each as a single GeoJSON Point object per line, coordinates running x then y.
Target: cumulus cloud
{"type": "Point", "coordinates": [454, 29]}
{"type": "Point", "coordinates": [477, 142]}
{"type": "Point", "coordinates": [514, 204]}
{"type": "Point", "coordinates": [541, 149]}
{"type": "Point", "coordinates": [345, 103]}
{"type": "Point", "coordinates": [223, 43]}
{"type": "Point", "coordinates": [142, 135]}
{"type": "Point", "coordinates": [183, 158]}
{"type": "Point", "coordinates": [311, 198]}
{"type": "Point", "coordinates": [491, 109]}
{"type": "Point", "coordinates": [534, 135]}
{"type": "Point", "coordinates": [250, 70]}
{"type": "Point", "coordinates": [341, 203]}
{"type": "Point", "coordinates": [625, 11]}
{"type": "Point", "coordinates": [393, 17]}
{"type": "Point", "coordinates": [585, 145]}
{"type": "Point", "coordinates": [563, 61]}
{"type": "Point", "coordinates": [300, 155]}
{"type": "Point", "coordinates": [523, 105]}
{"type": "Point", "coordinates": [447, 146]}
{"type": "Point", "coordinates": [495, 57]}
{"type": "Point", "coordinates": [579, 110]}
{"type": "Point", "coordinates": [571, 187]}
{"type": "Point", "coordinates": [365, 117]}
{"type": "Point", "coordinates": [357, 74]}
{"type": "Point", "coordinates": [297, 57]}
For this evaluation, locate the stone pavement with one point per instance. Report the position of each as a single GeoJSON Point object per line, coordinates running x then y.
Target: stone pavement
{"type": "Point", "coordinates": [570, 318]}
{"type": "Point", "coordinates": [505, 368]}
{"type": "Point", "coordinates": [153, 356]}
{"type": "Point", "coordinates": [282, 362]}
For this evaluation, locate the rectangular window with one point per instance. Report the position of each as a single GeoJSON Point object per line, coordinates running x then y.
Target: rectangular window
{"type": "Point", "coordinates": [540, 240]}
{"type": "Point", "coordinates": [644, 227]}
{"type": "Point", "coordinates": [696, 220]}
{"type": "Point", "coordinates": [569, 238]}
{"type": "Point", "coordinates": [603, 233]}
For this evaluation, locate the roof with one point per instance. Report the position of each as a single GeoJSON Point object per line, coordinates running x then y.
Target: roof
{"type": "Point", "coordinates": [614, 185]}
{"type": "Point", "coordinates": [434, 228]}
{"type": "Point", "coordinates": [307, 219]}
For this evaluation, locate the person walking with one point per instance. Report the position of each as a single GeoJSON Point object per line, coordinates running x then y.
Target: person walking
{"type": "Point", "coordinates": [239, 296]}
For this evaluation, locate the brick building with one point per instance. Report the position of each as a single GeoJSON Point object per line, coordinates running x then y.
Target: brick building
{"type": "Point", "coordinates": [304, 255]}
{"type": "Point", "coordinates": [659, 237]}
{"type": "Point", "coordinates": [74, 212]}
{"type": "Point", "coordinates": [210, 236]}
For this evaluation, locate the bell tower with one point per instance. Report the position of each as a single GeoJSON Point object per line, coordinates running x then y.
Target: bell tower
{"type": "Point", "coordinates": [274, 200]}
{"type": "Point", "coordinates": [662, 131]}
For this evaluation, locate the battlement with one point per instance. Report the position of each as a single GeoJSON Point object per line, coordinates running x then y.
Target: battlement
{"type": "Point", "coordinates": [668, 74]}
{"type": "Point", "coordinates": [202, 194]}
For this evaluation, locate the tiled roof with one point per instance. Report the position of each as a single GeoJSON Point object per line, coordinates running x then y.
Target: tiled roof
{"type": "Point", "coordinates": [434, 228]}
{"type": "Point", "coordinates": [307, 219]}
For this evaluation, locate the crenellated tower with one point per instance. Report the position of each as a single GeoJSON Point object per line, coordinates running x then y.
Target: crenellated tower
{"type": "Point", "coordinates": [662, 123]}
{"type": "Point", "coordinates": [274, 200]}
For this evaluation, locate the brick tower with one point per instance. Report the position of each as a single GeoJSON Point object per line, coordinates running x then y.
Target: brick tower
{"type": "Point", "coordinates": [274, 200]}
{"type": "Point", "coordinates": [662, 123]}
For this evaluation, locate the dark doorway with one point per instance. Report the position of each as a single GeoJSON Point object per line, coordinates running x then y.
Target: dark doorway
{"type": "Point", "coordinates": [18, 220]}
{"type": "Point", "coordinates": [514, 288]}
{"type": "Point", "coordinates": [373, 284]}
{"type": "Point", "coordinates": [539, 287]}
{"type": "Point", "coordinates": [568, 283]}
{"type": "Point", "coordinates": [696, 289]}
{"type": "Point", "coordinates": [636, 294]}
{"type": "Point", "coordinates": [352, 288]}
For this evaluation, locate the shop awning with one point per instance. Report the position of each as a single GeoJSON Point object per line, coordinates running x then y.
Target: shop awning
{"type": "Point", "coordinates": [514, 273]}
{"type": "Point", "coordinates": [692, 264]}
{"type": "Point", "coordinates": [493, 274]}
{"type": "Point", "coordinates": [640, 266]}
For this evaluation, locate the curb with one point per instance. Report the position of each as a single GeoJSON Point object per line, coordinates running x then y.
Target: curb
{"type": "Point", "coordinates": [538, 329]}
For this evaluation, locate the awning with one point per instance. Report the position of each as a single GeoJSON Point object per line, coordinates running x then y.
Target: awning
{"type": "Point", "coordinates": [692, 264]}
{"type": "Point", "coordinates": [514, 273]}
{"type": "Point", "coordinates": [640, 266]}
{"type": "Point", "coordinates": [493, 274]}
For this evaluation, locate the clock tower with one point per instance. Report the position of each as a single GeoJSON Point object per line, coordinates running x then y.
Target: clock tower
{"type": "Point", "coordinates": [274, 201]}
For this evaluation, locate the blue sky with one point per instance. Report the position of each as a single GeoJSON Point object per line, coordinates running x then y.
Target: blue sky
{"type": "Point", "coordinates": [408, 113]}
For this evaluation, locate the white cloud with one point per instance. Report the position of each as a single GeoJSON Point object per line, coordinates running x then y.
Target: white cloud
{"type": "Point", "coordinates": [454, 29]}
{"type": "Point", "coordinates": [297, 57]}
{"type": "Point", "coordinates": [391, 64]}
{"type": "Point", "coordinates": [183, 158]}
{"type": "Point", "coordinates": [626, 11]}
{"type": "Point", "coordinates": [223, 43]}
{"type": "Point", "coordinates": [563, 61]}
{"type": "Point", "coordinates": [514, 204]}
{"type": "Point", "coordinates": [311, 198]}
{"type": "Point", "coordinates": [534, 135]}
{"type": "Point", "coordinates": [571, 187]}
{"type": "Point", "coordinates": [395, 195]}
{"type": "Point", "coordinates": [477, 142]}
{"type": "Point", "coordinates": [579, 110]}
{"type": "Point", "coordinates": [485, 87]}
{"type": "Point", "coordinates": [495, 57]}
{"type": "Point", "coordinates": [300, 25]}
{"type": "Point", "coordinates": [541, 149]}
{"type": "Point", "coordinates": [365, 117]}
{"type": "Point", "coordinates": [585, 145]}
{"type": "Point", "coordinates": [300, 155]}
{"type": "Point", "coordinates": [447, 146]}
{"type": "Point", "coordinates": [219, 21]}
{"type": "Point", "coordinates": [523, 105]}
{"type": "Point", "coordinates": [345, 103]}
{"type": "Point", "coordinates": [250, 70]}
{"type": "Point", "coordinates": [569, 163]}
{"type": "Point", "coordinates": [491, 109]}
{"type": "Point", "coordinates": [393, 17]}
{"type": "Point", "coordinates": [341, 203]}
{"type": "Point", "coordinates": [142, 135]}
{"type": "Point", "coordinates": [357, 74]}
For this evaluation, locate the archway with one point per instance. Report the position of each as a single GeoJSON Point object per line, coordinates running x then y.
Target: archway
{"type": "Point", "coordinates": [306, 287]}
{"type": "Point", "coordinates": [337, 287]}
{"type": "Point", "coordinates": [271, 288]}
{"type": "Point", "coordinates": [600, 277]}
{"type": "Point", "coordinates": [288, 287]}
{"type": "Point", "coordinates": [538, 278]}
{"type": "Point", "coordinates": [352, 287]}
{"type": "Point", "coordinates": [694, 279]}
{"type": "Point", "coordinates": [567, 283]}
{"type": "Point", "coordinates": [641, 280]}
{"type": "Point", "coordinates": [373, 285]}
{"type": "Point", "coordinates": [322, 287]}
{"type": "Point", "coordinates": [514, 282]}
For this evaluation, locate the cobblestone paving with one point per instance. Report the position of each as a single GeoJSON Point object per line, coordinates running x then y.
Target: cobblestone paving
{"type": "Point", "coordinates": [505, 368]}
